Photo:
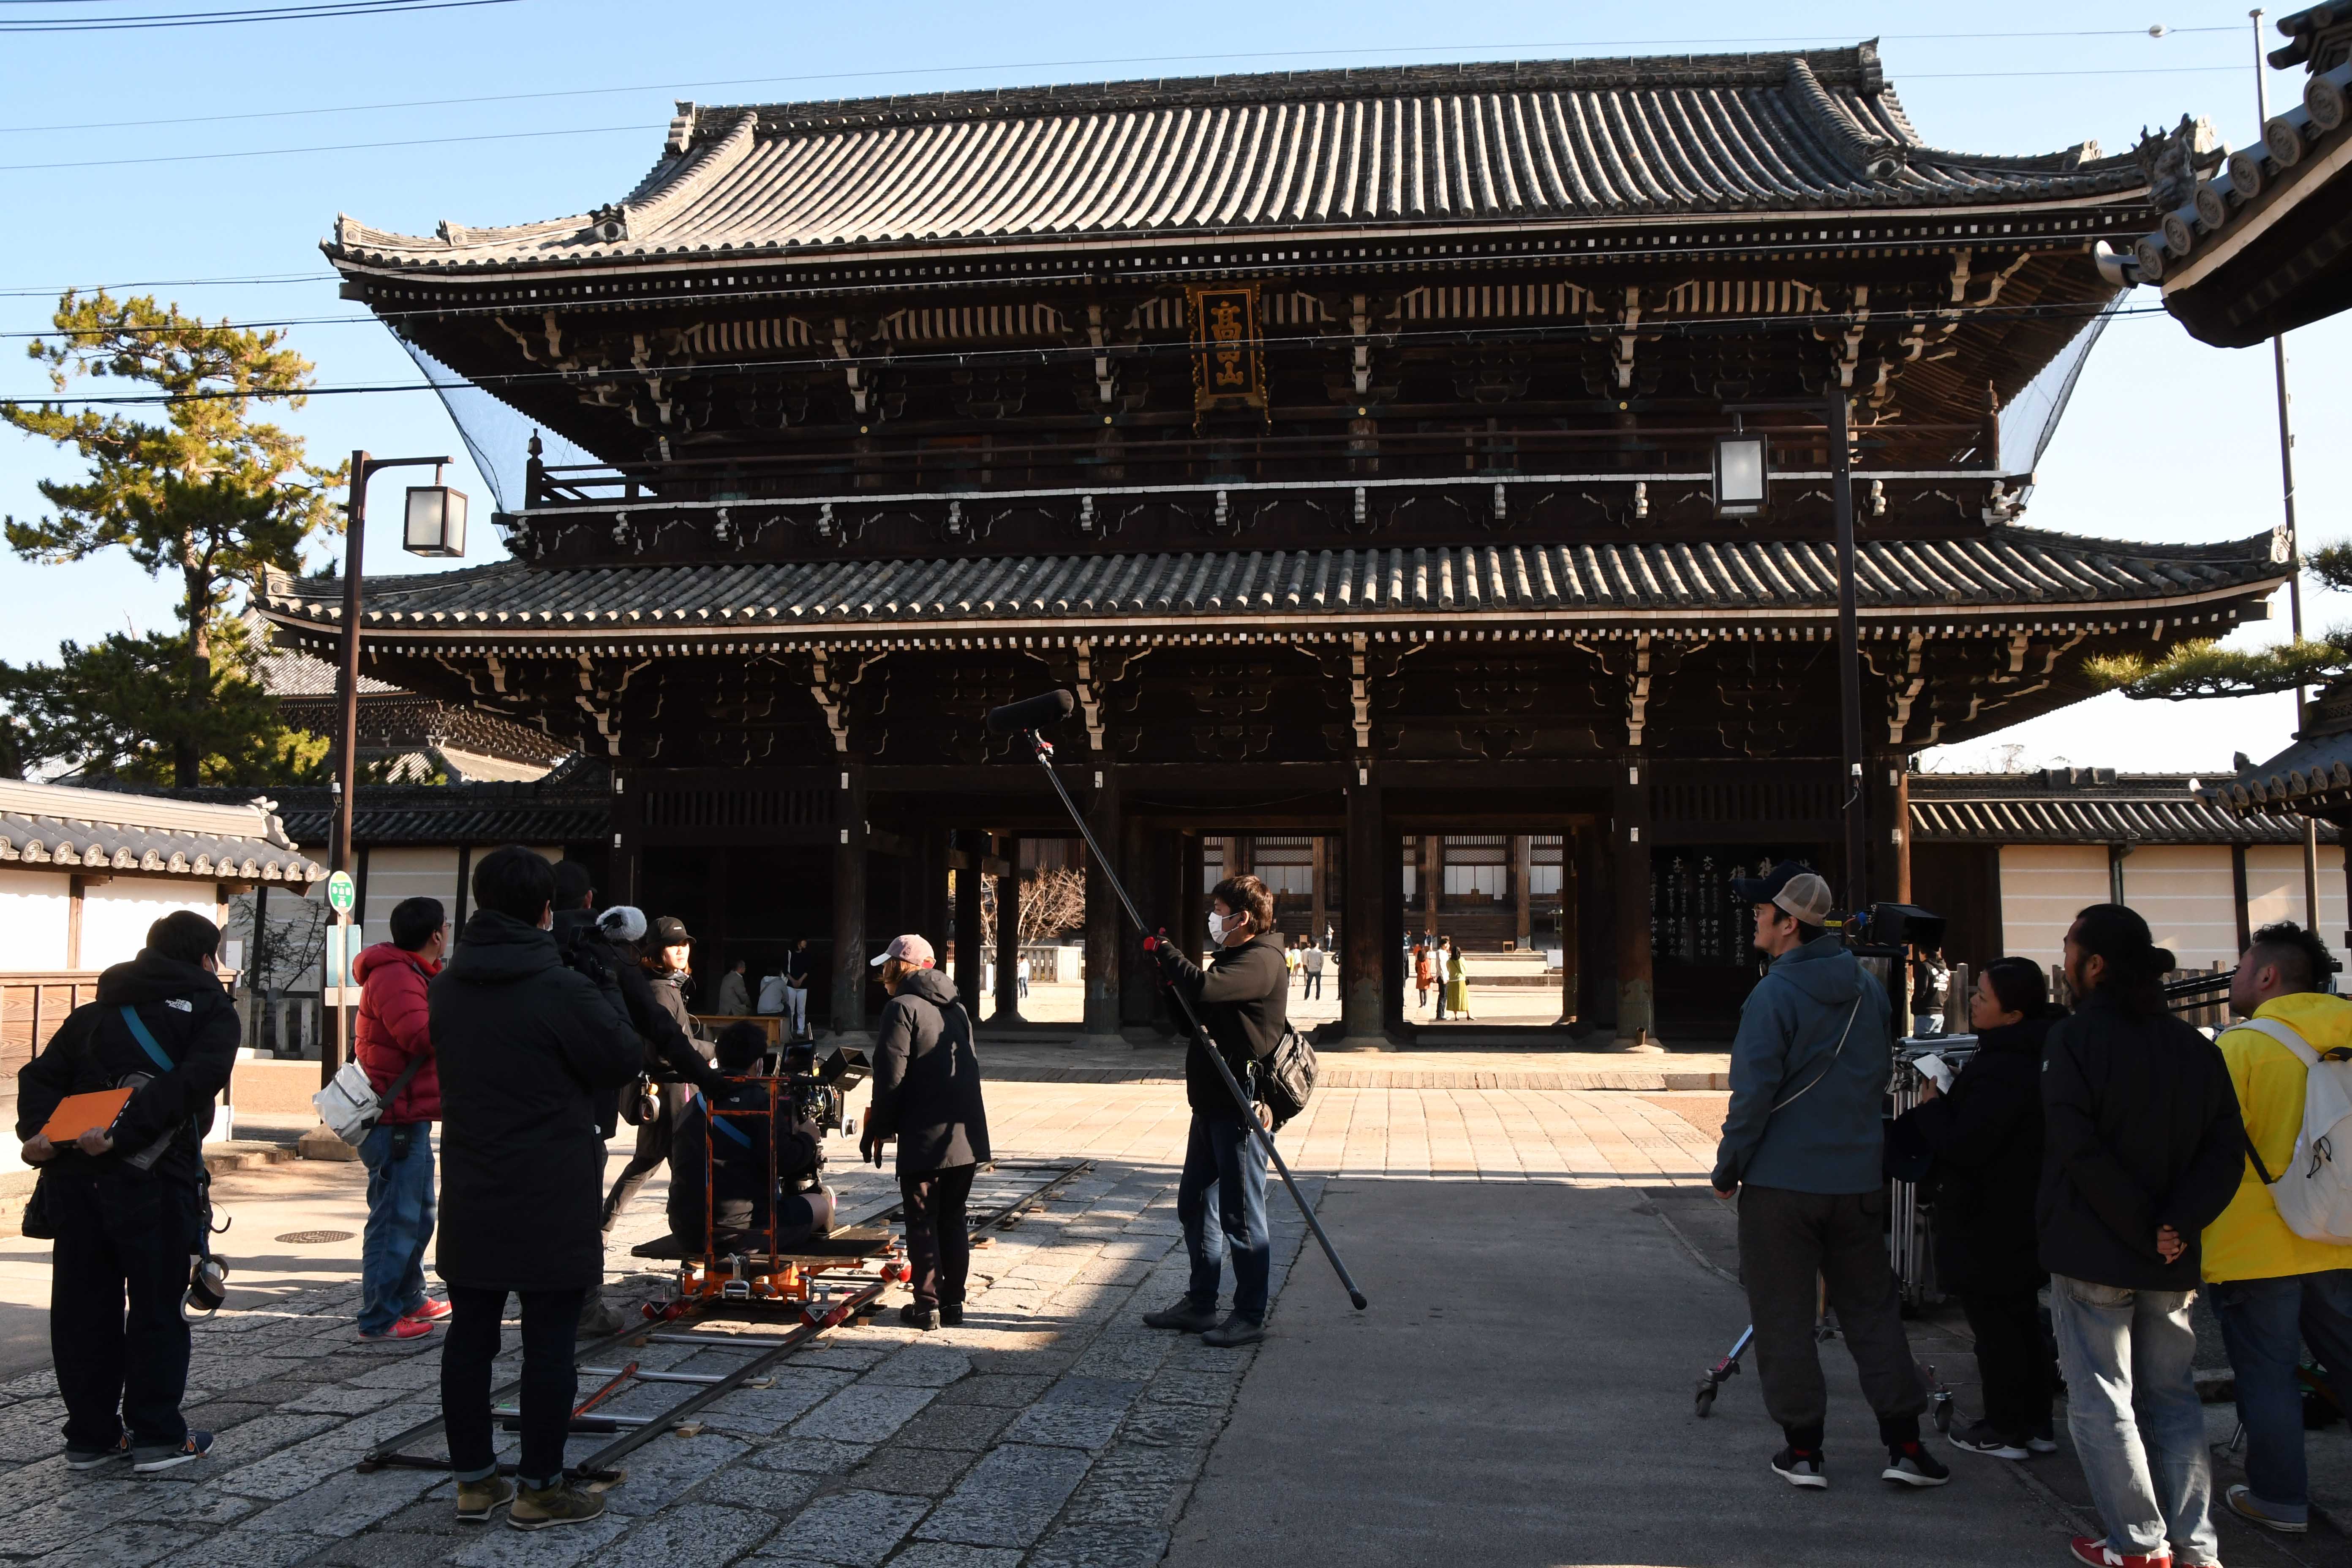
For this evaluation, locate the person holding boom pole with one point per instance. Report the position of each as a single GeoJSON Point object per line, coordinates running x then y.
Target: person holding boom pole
{"type": "Point", "coordinates": [1242, 999]}
{"type": "Point", "coordinates": [1026, 718]}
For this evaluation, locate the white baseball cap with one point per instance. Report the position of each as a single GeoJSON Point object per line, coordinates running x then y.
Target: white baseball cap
{"type": "Point", "coordinates": [908, 949]}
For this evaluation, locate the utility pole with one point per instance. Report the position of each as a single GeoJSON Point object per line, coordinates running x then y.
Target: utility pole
{"type": "Point", "coordinates": [1857, 838]}
{"type": "Point", "coordinates": [2286, 492]}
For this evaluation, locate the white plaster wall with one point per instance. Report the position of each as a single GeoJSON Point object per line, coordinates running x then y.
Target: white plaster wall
{"type": "Point", "coordinates": [34, 909]}
{"type": "Point", "coordinates": [397, 873]}
{"type": "Point", "coordinates": [115, 915]}
{"type": "Point", "coordinates": [2190, 897]}
{"type": "Point", "coordinates": [2274, 888]}
{"type": "Point", "coordinates": [2042, 886]}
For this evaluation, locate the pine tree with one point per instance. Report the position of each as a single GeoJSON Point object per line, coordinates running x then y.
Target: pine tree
{"type": "Point", "coordinates": [206, 490]}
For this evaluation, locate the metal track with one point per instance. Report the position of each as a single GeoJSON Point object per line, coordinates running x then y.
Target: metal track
{"type": "Point", "coordinates": [707, 1389]}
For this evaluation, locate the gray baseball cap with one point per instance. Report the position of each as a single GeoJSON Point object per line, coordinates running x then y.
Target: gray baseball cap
{"type": "Point", "coordinates": [1796, 889]}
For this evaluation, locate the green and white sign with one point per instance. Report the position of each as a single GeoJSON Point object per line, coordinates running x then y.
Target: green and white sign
{"type": "Point", "coordinates": [340, 894]}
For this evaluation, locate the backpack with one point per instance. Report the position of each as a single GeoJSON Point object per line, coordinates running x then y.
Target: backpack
{"type": "Point", "coordinates": [2314, 1194]}
{"type": "Point", "coordinates": [1284, 1077]}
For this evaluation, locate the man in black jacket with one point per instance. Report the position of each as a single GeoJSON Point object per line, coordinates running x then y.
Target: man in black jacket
{"type": "Point", "coordinates": [126, 1201]}
{"type": "Point", "coordinates": [529, 1051]}
{"type": "Point", "coordinates": [927, 1096]}
{"type": "Point", "coordinates": [1241, 999]}
{"type": "Point", "coordinates": [674, 1044]}
{"type": "Point", "coordinates": [2141, 1148]}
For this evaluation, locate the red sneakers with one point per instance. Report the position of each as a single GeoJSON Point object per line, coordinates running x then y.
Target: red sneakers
{"type": "Point", "coordinates": [2097, 1554]}
{"type": "Point", "coordinates": [433, 1311]}
{"type": "Point", "coordinates": [401, 1329]}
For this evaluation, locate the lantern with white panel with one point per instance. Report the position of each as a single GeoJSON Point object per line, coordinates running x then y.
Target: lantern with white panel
{"type": "Point", "coordinates": [1742, 471]}
{"type": "Point", "coordinates": [436, 523]}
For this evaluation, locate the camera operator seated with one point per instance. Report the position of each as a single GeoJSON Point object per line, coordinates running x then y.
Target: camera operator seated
{"type": "Point", "coordinates": [737, 1148]}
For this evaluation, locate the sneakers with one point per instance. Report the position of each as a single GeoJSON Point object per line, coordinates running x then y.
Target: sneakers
{"type": "Point", "coordinates": [91, 1458]}
{"type": "Point", "coordinates": [951, 1314]}
{"type": "Point", "coordinates": [1979, 1438]}
{"type": "Point", "coordinates": [1233, 1331]}
{"type": "Point", "coordinates": [2097, 1554]}
{"type": "Point", "coordinates": [1910, 1465]}
{"type": "Point", "coordinates": [2044, 1440]}
{"type": "Point", "coordinates": [2246, 1505]}
{"type": "Point", "coordinates": [544, 1507]}
{"type": "Point", "coordinates": [1799, 1470]}
{"type": "Point", "coordinates": [433, 1311]}
{"type": "Point", "coordinates": [917, 1315]}
{"type": "Point", "coordinates": [1185, 1315]}
{"type": "Point", "coordinates": [401, 1329]}
{"type": "Point", "coordinates": [476, 1500]}
{"type": "Point", "coordinates": [149, 1461]}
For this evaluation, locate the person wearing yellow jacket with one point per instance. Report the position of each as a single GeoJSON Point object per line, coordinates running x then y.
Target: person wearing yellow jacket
{"type": "Point", "coordinates": [2273, 1290]}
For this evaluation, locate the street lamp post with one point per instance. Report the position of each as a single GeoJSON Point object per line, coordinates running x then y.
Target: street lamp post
{"type": "Point", "coordinates": [420, 528]}
{"type": "Point", "coordinates": [1742, 474]}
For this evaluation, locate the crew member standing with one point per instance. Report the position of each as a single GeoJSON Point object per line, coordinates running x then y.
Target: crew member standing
{"type": "Point", "coordinates": [126, 1203]}
{"type": "Point", "coordinates": [1241, 999]}
{"type": "Point", "coordinates": [1808, 1071]}
{"type": "Point", "coordinates": [926, 1095]}
{"type": "Point", "coordinates": [395, 1036]}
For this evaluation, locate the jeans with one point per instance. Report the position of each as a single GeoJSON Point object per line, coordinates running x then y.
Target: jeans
{"type": "Point", "coordinates": [1223, 1164]}
{"type": "Point", "coordinates": [399, 1162]}
{"type": "Point", "coordinates": [549, 1381]}
{"type": "Point", "coordinates": [2011, 1365]}
{"type": "Point", "coordinates": [939, 1245]}
{"type": "Point", "coordinates": [1313, 987]}
{"type": "Point", "coordinates": [2132, 1407]}
{"type": "Point", "coordinates": [2266, 1323]}
{"type": "Point", "coordinates": [795, 1012]}
{"type": "Point", "coordinates": [1787, 1241]}
{"type": "Point", "coordinates": [121, 1233]}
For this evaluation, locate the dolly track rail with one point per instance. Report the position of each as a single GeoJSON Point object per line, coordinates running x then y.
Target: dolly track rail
{"type": "Point", "coordinates": [391, 1453]}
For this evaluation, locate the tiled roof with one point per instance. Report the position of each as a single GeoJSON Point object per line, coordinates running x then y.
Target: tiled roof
{"type": "Point", "coordinates": [2084, 805]}
{"type": "Point", "coordinates": [288, 673]}
{"type": "Point", "coordinates": [2019, 567]}
{"type": "Point", "coordinates": [1398, 146]}
{"type": "Point", "coordinates": [95, 829]}
{"type": "Point", "coordinates": [571, 805]}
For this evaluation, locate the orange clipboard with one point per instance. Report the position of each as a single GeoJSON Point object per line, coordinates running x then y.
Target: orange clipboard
{"type": "Point", "coordinates": [78, 1113]}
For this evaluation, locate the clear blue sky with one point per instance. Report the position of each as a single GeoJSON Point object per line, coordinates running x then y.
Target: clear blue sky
{"type": "Point", "coordinates": [2165, 439]}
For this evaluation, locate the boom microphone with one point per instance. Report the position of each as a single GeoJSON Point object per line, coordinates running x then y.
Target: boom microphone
{"type": "Point", "coordinates": [1031, 712]}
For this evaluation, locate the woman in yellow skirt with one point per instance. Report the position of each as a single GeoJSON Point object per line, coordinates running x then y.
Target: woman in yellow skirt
{"type": "Point", "coordinates": [1457, 981]}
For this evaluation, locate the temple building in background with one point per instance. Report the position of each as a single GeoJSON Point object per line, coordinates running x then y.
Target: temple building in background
{"type": "Point", "coordinates": [1345, 440]}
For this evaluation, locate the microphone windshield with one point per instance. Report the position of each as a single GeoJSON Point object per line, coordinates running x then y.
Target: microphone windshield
{"type": "Point", "coordinates": [1031, 712]}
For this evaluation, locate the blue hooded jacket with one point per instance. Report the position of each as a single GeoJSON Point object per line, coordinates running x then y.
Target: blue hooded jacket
{"type": "Point", "coordinates": [1825, 1138]}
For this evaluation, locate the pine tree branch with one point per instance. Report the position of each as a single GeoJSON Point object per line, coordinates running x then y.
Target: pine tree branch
{"type": "Point", "coordinates": [2204, 669]}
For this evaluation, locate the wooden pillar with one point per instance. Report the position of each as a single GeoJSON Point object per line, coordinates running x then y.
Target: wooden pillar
{"type": "Point", "coordinates": [1142, 869]}
{"type": "Point", "coordinates": [1522, 859]}
{"type": "Point", "coordinates": [1008, 933]}
{"type": "Point", "coordinates": [1319, 871]}
{"type": "Point", "coordinates": [1432, 881]}
{"type": "Point", "coordinates": [1388, 865]}
{"type": "Point", "coordinates": [971, 960]}
{"type": "Point", "coordinates": [1192, 898]}
{"type": "Point", "coordinates": [1106, 922]}
{"type": "Point", "coordinates": [75, 887]}
{"type": "Point", "coordinates": [1364, 964]}
{"type": "Point", "coordinates": [1888, 874]}
{"type": "Point", "coordinates": [928, 911]}
{"type": "Point", "coordinates": [1572, 959]}
{"type": "Point", "coordinates": [2237, 885]}
{"type": "Point", "coordinates": [1237, 853]}
{"type": "Point", "coordinates": [849, 902]}
{"type": "Point", "coordinates": [1636, 995]}
{"type": "Point", "coordinates": [1900, 834]}
{"type": "Point", "coordinates": [628, 817]}
{"type": "Point", "coordinates": [1596, 891]}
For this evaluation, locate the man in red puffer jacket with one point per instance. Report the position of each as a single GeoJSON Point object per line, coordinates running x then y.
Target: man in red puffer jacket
{"type": "Point", "coordinates": [393, 1031]}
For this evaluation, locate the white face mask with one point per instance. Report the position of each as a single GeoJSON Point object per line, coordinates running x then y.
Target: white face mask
{"type": "Point", "coordinates": [1217, 928]}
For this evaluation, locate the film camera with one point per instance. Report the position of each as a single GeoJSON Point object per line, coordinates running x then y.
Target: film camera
{"type": "Point", "coordinates": [819, 1092]}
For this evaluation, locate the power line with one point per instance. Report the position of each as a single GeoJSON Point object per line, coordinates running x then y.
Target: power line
{"type": "Point", "coordinates": [1014, 66]}
{"type": "Point", "coordinates": [271, 278]}
{"type": "Point", "coordinates": [301, 13]}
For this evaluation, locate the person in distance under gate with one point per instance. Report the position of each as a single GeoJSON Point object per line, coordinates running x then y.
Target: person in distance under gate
{"type": "Point", "coordinates": [1808, 1071]}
